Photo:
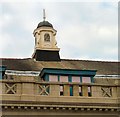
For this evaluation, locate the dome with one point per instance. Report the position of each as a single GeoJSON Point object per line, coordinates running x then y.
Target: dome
{"type": "Point", "coordinates": [45, 23]}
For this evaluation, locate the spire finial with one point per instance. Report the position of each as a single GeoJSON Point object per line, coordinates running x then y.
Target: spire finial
{"type": "Point", "coordinates": [44, 17]}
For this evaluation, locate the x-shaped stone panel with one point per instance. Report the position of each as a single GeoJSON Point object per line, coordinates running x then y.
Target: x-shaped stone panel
{"type": "Point", "coordinates": [10, 88]}
{"type": "Point", "coordinates": [106, 92]}
{"type": "Point", "coordinates": [44, 89]}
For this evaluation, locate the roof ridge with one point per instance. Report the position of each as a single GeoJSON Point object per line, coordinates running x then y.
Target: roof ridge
{"type": "Point", "coordinates": [62, 60]}
{"type": "Point", "coordinates": [89, 60]}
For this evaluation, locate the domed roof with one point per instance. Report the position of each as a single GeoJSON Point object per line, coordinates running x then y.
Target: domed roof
{"type": "Point", "coordinates": [45, 23]}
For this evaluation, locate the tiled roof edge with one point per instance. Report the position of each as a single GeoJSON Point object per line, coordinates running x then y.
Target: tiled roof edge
{"type": "Point", "coordinates": [89, 60]}
{"type": "Point", "coordinates": [62, 60]}
{"type": "Point", "coordinates": [15, 58]}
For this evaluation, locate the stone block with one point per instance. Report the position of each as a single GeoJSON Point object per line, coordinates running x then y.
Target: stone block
{"type": "Point", "coordinates": [54, 90]}
{"type": "Point", "coordinates": [75, 90]}
{"type": "Point", "coordinates": [28, 88]}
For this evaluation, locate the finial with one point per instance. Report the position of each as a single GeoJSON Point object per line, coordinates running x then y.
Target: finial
{"type": "Point", "coordinates": [44, 17]}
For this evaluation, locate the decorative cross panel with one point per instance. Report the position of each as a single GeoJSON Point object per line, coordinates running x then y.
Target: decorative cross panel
{"type": "Point", "coordinates": [44, 89]}
{"type": "Point", "coordinates": [10, 88]}
{"type": "Point", "coordinates": [106, 91]}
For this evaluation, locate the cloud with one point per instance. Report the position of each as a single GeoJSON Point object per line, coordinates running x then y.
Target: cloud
{"type": "Point", "coordinates": [84, 29]}
{"type": "Point", "coordinates": [93, 33]}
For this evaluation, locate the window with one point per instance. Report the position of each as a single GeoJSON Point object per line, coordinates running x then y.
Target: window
{"type": "Point", "coordinates": [63, 78]}
{"type": "Point", "coordinates": [47, 37]}
{"type": "Point", "coordinates": [80, 91]}
{"type": "Point", "coordinates": [61, 90]}
{"type": "Point", "coordinates": [75, 79]}
{"type": "Point", "coordinates": [89, 91]}
{"type": "Point", "coordinates": [71, 90]}
{"type": "Point", "coordinates": [86, 80]}
{"type": "Point", "coordinates": [2, 71]}
{"type": "Point", "coordinates": [53, 78]}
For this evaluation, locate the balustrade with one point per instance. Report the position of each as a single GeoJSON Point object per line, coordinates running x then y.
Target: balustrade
{"type": "Point", "coordinates": [59, 89]}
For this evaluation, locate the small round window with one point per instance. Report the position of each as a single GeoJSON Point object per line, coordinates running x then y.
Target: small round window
{"type": "Point", "coordinates": [46, 37]}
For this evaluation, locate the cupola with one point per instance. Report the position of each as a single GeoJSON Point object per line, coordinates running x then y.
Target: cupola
{"type": "Point", "coordinates": [44, 23]}
{"type": "Point", "coordinates": [45, 42]}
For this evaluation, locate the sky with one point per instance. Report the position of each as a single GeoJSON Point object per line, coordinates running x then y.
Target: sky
{"type": "Point", "coordinates": [85, 30]}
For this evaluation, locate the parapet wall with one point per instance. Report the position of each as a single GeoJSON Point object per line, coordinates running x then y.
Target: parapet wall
{"type": "Point", "coordinates": [30, 92]}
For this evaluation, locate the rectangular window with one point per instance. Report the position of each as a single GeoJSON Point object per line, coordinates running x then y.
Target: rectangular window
{"type": "Point", "coordinates": [63, 78]}
{"type": "Point", "coordinates": [75, 79]}
{"type": "Point", "coordinates": [86, 80]}
{"type": "Point", "coordinates": [80, 91]}
{"type": "Point", "coordinates": [89, 91]}
{"type": "Point", "coordinates": [71, 90]}
{"type": "Point", "coordinates": [61, 90]}
{"type": "Point", "coordinates": [53, 78]}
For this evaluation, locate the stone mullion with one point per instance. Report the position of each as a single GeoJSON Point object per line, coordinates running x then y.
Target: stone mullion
{"type": "Point", "coordinates": [75, 90]}
{"type": "Point", "coordinates": [85, 90]}
{"type": "Point", "coordinates": [66, 90]}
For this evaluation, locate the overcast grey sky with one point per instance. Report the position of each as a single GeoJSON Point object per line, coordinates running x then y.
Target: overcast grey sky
{"type": "Point", "coordinates": [85, 30]}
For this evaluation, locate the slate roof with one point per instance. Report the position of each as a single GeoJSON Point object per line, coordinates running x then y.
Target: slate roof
{"type": "Point", "coordinates": [45, 23]}
{"type": "Point", "coordinates": [29, 64]}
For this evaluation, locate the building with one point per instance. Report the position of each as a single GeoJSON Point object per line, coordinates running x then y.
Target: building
{"type": "Point", "coordinates": [48, 85]}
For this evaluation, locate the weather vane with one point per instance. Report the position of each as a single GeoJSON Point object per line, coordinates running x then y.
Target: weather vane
{"type": "Point", "coordinates": [44, 17]}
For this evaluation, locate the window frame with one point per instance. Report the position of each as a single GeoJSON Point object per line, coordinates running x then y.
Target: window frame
{"type": "Point", "coordinates": [47, 37]}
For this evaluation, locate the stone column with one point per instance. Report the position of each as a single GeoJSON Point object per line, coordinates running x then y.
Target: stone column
{"type": "Point", "coordinates": [85, 90]}
{"type": "Point", "coordinates": [75, 90]}
{"type": "Point", "coordinates": [66, 90]}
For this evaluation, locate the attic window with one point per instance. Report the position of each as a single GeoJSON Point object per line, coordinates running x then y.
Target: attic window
{"type": "Point", "coordinates": [86, 79]}
{"type": "Point", "coordinates": [53, 78]}
{"type": "Point", "coordinates": [2, 71]}
{"type": "Point", "coordinates": [75, 79]}
{"type": "Point", "coordinates": [68, 75]}
{"type": "Point", "coordinates": [63, 78]}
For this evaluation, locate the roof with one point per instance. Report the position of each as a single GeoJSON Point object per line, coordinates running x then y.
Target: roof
{"type": "Point", "coordinates": [29, 64]}
{"type": "Point", "coordinates": [73, 72]}
{"type": "Point", "coordinates": [45, 23]}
